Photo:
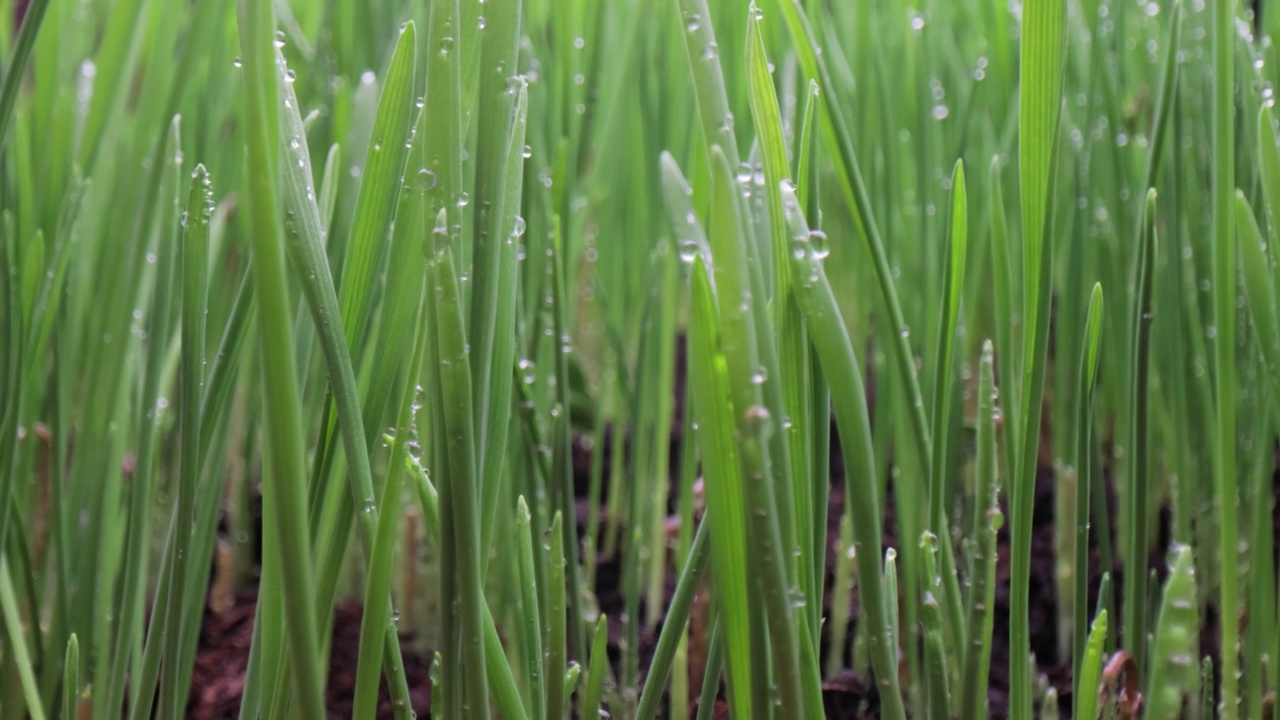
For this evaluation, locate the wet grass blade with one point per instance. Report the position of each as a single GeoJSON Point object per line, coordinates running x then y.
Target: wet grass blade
{"type": "Point", "coordinates": [194, 263]}
{"type": "Point", "coordinates": [283, 421]}
{"type": "Point", "coordinates": [840, 365]}
{"type": "Point", "coordinates": [713, 410]}
{"type": "Point", "coordinates": [1173, 665]}
{"type": "Point", "coordinates": [987, 520]}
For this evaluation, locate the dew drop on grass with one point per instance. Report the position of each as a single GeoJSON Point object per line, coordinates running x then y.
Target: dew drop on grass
{"type": "Point", "coordinates": [463, 200]}
{"type": "Point", "coordinates": [279, 41]}
{"type": "Point", "coordinates": [480, 22]}
{"type": "Point", "coordinates": [290, 75]}
{"type": "Point", "coordinates": [368, 77]}
{"type": "Point", "coordinates": [818, 245]}
{"type": "Point", "coordinates": [426, 177]}
{"type": "Point", "coordinates": [237, 63]}
{"type": "Point", "coordinates": [688, 251]}
{"type": "Point", "coordinates": [527, 152]}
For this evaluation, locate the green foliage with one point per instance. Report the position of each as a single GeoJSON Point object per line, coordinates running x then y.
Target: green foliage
{"type": "Point", "coordinates": [518, 313]}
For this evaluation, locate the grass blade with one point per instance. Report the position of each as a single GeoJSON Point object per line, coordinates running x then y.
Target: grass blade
{"type": "Point", "coordinates": [283, 419]}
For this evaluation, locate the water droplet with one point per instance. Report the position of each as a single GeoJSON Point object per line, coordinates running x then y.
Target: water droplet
{"type": "Point", "coordinates": [237, 63]}
{"type": "Point", "coordinates": [279, 41]}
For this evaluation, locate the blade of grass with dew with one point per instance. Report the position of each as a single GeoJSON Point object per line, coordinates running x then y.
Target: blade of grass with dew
{"type": "Point", "coordinates": [194, 261]}
{"type": "Point", "coordinates": [284, 425]}
{"type": "Point", "coordinates": [853, 188]}
{"type": "Point", "coordinates": [792, 479]}
{"type": "Point", "coordinates": [673, 626]}
{"type": "Point", "coordinates": [374, 623]}
{"type": "Point", "coordinates": [1224, 339]}
{"type": "Point", "coordinates": [531, 632]}
{"type": "Point", "coordinates": [384, 167]}
{"type": "Point", "coordinates": [304, 243]}
{"type": "Point", "coordinates": [1141, 317]}
{"type": "Point", "coordinates": [1173, 667]}
{"type": "Point", "coordinates": [935, 658]}
{"type": "Point", "coordinates": [1042, 63]}
{"type": "Point", "coordinates": [713, 410]}
{"type": "Point", "coordinates": [987, 520]}
{"type": "Point", "coordinates": [505, 691]}
{"type": "Point", "coordinates": [556, 632]}
{"type": "Point", "coordinates": [835, 350]}
{"type": "Point", "coordinates": [502, 105]}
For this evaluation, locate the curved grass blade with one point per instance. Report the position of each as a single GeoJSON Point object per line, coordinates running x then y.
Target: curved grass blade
{"type": "Point", "coordinates": [18, 643]}
{"type": "Point", "coordinates": [32, 19]}
{"type": "Point", "coordinates": [830, 337]}
{"type": "Point", "coordinates": [673, 626]}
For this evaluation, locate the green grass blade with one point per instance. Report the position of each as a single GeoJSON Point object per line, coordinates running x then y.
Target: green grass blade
{"type": "Point", "coordinates": [1139, 402]}
{"type": "Point", "coordinates": [32, 19]}
{"type": "Point", "coordinates": [987, 519]}
{"type": "Point", "coordinates": [384, 167]}
{"type": "Point", "coordinates": [374, 621]}
{"type": "Point", "coordinates": [71, 678]}
{"type": "Point", "coordinates": [713, 410]}
{"type": "Point", "coordinates": [1043, 55]}
{"type": "Point", "coordinates": [531, 632]}
{"type": "Point", "coordinates": [194, 261]}
{"type": "Point", "coordinates": [283, 421]}
{"type": "Point", "coordinates": [1226, 491]}
{"type": "Point", "coordinates": [840, 365]}
{"type": "Point", "coordinates": [1086, 383]}
{"type": "Point", "coordinates": [673, 626]}
{"type": "Point", "coordinates": [1173, 665]}
{"type": "Point", "coordinates": [1086, 698]}
{"type": "Point", "coordinates": [589, 701]}
{"type": "Point", "coordinates": [18, 643]}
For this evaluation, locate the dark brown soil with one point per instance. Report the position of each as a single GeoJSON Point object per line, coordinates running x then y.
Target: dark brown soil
{"type": "Point", "coordinates": [217, 682]}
